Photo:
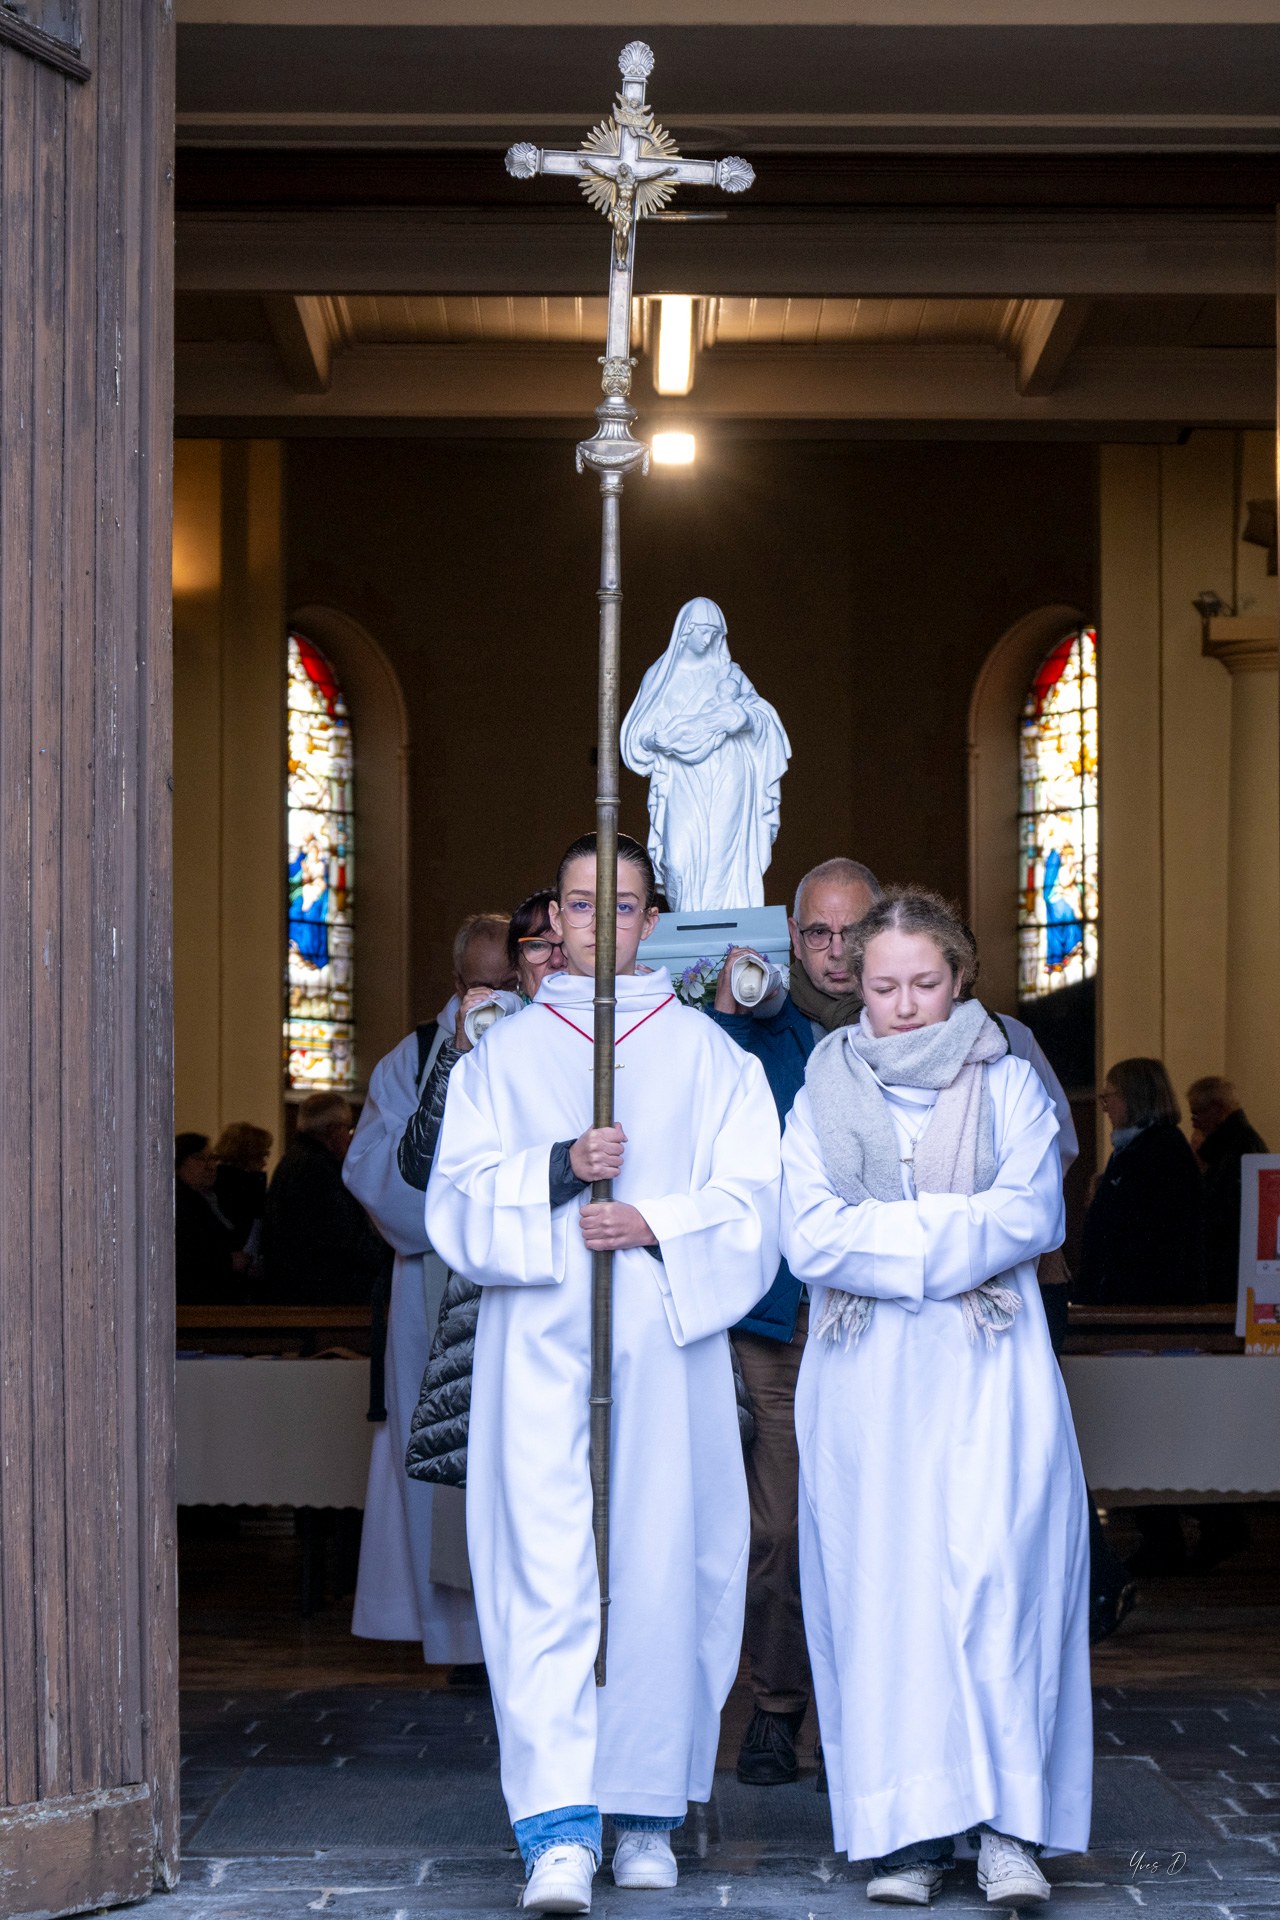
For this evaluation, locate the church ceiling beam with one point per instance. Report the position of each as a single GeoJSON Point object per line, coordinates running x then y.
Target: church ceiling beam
{"type": "Point", "coordinates": [722, 13]}
{"type": "Point", "coordinates": [1040, 336]}
{"type": "Point", "coordinates": [976, 74]}
{"type": "Point", "coordinates": [276, 178]}
{"type": "Point", "coordinates": [1020, 255]}
{"type": "Point", "coordinates": [307, 331]}
{"type": "Point", "coordinates": [1186, 387]}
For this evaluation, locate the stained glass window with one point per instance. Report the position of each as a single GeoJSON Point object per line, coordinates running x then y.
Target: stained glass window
{"type": "Point", "coordinates": [319, 1032]}
{"type": "Point", "coordinates": [1058, 821]}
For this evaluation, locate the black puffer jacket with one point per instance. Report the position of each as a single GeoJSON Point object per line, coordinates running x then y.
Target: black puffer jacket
{"type": "Point", "coordinates": [418, 1142]}
{"type": "Point", "coordinates": [437, 1450]}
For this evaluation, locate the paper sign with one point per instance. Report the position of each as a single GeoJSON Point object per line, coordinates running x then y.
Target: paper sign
{"type": "Point", "coordinates": [1258, 1295]}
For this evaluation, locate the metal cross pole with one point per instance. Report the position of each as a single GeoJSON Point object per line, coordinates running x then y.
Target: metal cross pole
{"type": "Point", "coordinates": [627, 167]}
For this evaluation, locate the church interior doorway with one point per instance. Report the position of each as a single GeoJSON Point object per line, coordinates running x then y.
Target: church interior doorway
{"type": "Point", "coordinates": [972, 408]}
{"type": "Point", "coordinates": [971, 439]}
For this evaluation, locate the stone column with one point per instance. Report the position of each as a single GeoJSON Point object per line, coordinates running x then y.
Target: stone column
{"type": "Point", "coordinates": [1247, 648]}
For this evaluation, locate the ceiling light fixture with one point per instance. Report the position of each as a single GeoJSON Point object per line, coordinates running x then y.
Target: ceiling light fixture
{"type": "Point", "coordinates": [673, 449]}
{"type": "Point", "coordinates": [673, 360]}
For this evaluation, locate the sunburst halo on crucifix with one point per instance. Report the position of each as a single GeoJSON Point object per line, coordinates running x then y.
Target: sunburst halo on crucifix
{"type": "Point", "coordinates": [628, 167]}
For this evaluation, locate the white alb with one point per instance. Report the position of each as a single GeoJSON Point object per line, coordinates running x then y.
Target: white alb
{"type": "Point", "coordinates": [396, 1598]}
{"type": "Point", "coordinates": [943, 1516]}
{"type": "Point", "coordinates": [714, 753]}
{"type": "Point", "coordinates": [702, 1167]}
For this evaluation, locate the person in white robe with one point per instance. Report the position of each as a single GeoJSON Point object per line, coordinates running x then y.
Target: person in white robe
{"type": "Point", "coordinates": [943, 1516]}
{"type": "Point", "coordinates": [396, 1597]}
{"type": "Point", "coordinates": [694, 1157]}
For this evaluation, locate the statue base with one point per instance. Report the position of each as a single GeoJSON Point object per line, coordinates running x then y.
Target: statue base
{"type": "Point", "coordinates": [680, 939]}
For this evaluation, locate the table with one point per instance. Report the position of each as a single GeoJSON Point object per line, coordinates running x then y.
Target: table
{"type": "Point", "coordinates": [1176, 1427]}
{"type": "Point", "coordinates": [272, 1432]}
{"type": "Point", "coordinates": [1150, 1329]}
{"type": "Point", "coordinates": [242, 1317]}
{"type": "Point", "coordinates": [293, 1433]}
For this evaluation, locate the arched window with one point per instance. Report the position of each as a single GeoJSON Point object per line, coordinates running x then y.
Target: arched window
{"type": "Point", "coordinates": [1058, 821]}
{"type": "Point", "coordinates": [319, 1028]}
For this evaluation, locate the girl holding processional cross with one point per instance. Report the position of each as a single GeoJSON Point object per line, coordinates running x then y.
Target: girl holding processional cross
{"type": "Point", "coordinates": [694, 1158]}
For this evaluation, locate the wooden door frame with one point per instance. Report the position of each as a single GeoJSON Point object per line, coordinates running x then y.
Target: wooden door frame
{"type": "Point", "coordinates": [88, 1589]}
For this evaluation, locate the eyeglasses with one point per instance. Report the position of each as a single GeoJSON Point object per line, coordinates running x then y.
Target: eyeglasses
{"type": "Point", "coordinates": [818, 938]}
{"type": "Point", "coordinates": [582, 913]}
{"type": "Point", "coordinates": [538, 948]}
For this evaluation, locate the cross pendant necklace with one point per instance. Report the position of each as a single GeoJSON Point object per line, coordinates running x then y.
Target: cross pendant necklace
{"type": "Point", "coordinates": [908, 1159]}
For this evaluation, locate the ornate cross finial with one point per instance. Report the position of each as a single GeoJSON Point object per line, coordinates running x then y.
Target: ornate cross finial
{"type": "Point", "coordinates": [628, 167]}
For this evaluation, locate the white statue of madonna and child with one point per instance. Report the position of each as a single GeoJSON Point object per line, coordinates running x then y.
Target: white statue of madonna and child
{"type": "Point", "coordinates": [714, 753]}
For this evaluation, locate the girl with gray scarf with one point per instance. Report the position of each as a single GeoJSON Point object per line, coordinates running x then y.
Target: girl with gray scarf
{"type": "Point", "coordinates": [943, 1516]}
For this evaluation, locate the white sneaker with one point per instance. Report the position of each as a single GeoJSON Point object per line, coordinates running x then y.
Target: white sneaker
{"type": "Point", "coordinates": [560, 1881]}
{"type": "Point", "coordinates": [1007, 1872]}
{"type": "Point", "coordinates": [644, 1860]}
{"type": "Point", "coordinates": [908, 1887]}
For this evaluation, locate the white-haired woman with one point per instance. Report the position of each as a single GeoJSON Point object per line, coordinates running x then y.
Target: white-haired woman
{"type": "Point", "coordinates": [943, 1517]}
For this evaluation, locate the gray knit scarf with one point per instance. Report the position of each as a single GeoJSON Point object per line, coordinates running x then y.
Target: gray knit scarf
{"type": "Point", "coordinates": [953, 1155]}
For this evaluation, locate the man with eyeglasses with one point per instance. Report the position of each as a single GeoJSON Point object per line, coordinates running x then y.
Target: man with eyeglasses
{"type": "Point", "coordinates": [829, 902]}
{"type": "Point", "coordinates": [396, 1598]}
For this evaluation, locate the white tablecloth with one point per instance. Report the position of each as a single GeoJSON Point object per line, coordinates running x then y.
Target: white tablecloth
{"type": "Point", "coordinates": [1201, 1424]}
{"type": "Point", "coordinates": [273, 1433]}
{"type": "Point", "coordinates": [294, 1433]}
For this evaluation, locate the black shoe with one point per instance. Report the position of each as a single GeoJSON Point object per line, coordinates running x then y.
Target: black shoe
{"type": "Point", "coordinates": [1109, 1610]}
{"type": "Point", "coordinates": [469, 1678]}
{"type": "Point", "coordinates": [820, 1784]}
{"type": "Point", "coordinates": [767, 1757]}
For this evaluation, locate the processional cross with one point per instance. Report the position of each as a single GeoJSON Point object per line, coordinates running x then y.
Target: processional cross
{"type": "Point", "coordinates": [628, 167]}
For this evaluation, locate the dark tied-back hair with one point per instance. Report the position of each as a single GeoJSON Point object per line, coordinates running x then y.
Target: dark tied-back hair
{"type": "Point", "coordinates": [917, 910]}
{"type": "Point", "coordinates": [530, 918]}
{"type": "Point", "coordinates": [187, 1144]}
{"type": "Point", "coordinates": [584, 848]}
{"type": "Point", "coordinates": [1147, 1091]}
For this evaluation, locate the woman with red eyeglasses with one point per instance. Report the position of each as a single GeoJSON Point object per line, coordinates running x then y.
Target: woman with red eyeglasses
{"type": "Point", "coordinates": [532, 948]}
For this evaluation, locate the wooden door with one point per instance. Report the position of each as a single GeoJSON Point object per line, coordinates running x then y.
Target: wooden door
{"type": "Point", "coordinates": [88, 1707]}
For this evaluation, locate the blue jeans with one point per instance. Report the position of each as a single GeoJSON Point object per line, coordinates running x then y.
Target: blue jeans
{"type": "Point", "coordinates": [938, 1853]}
{"type": "Point", "coordinates": [931, 1853]}
{"type": "Point", "coordinates": [580, 1827]}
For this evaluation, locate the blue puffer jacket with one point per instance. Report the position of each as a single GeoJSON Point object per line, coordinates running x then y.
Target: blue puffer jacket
{"type": "Point", "coordinates": [782, 1044]}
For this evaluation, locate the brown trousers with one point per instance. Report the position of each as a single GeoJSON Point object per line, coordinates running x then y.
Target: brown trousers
{"type": "Point", "coordinates": [774, 1635]}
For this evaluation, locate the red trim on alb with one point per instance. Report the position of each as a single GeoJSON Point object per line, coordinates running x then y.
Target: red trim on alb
{"type": "Point", "coordinates": [622, 1036]}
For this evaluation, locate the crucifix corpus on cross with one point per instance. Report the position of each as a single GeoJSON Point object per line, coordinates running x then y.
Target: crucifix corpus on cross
{"type": "Point", "coordinates": [628, 167]}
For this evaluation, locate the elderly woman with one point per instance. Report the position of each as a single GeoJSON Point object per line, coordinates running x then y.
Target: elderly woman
{"type": "Point", "coordinates": [1144, 1228]}
{"type": "Point", "coordinates": [943, 1519]}
{"type": "Point", "coordinates": [241, 1151]}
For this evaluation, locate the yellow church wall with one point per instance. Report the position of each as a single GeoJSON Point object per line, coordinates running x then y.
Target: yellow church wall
{"type": "Point", "coordinates": [1186, 932]}
{"type": "Point", "coordinates": [229, 906]}
{"type": "Point", "coordinates": [197, 780]}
